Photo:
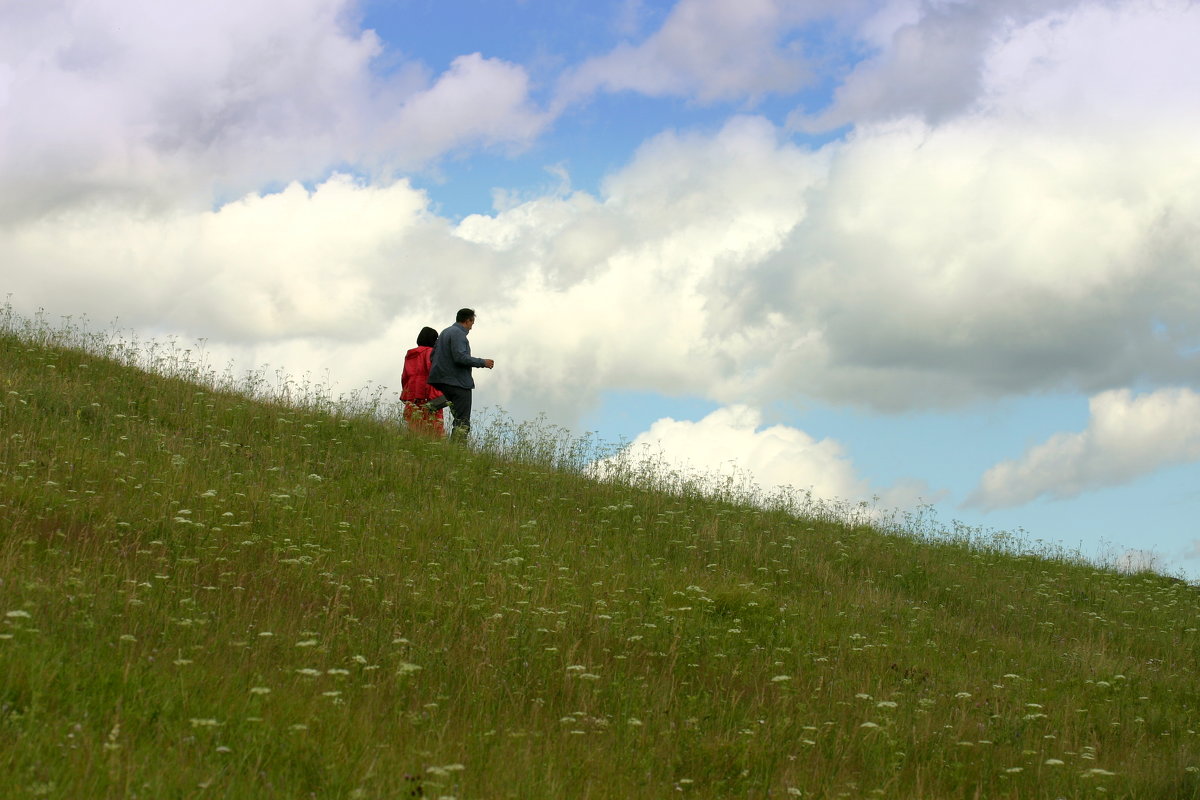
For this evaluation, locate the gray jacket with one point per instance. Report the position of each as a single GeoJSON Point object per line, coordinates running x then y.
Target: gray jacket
{"type": "Point", "coordinates": [451, 362]}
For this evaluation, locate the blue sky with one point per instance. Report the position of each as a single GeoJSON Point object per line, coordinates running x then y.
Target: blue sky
{"type": "Point", "coordinates": [596, 138]}
{"type": "Point", "coordinates": [925, 251]}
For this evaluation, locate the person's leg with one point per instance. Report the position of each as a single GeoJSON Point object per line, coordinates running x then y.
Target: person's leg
{"type": "Point", "coordinates": [460, 409]}
{"type": "Point", "coordinates": [428, 424]}
{"type": "Point", "coordinates": [422, 421]}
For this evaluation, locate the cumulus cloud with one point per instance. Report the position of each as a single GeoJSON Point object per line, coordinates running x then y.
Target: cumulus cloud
{"type": "Point", "coordinates": [707, 49]}
{"type": "Point", "coordinates": [925, 59]}
{"type": "Point", "coordinates": [731, 447]}
{"type": "Point", "coordinates": [335, 265]}
{"type": "Point", "coordinates": [955, 263]}
{"type": "Point", "coordinates": [910, 266]}
{"type": "Point", "coordinates": [478, 101]}
{"type": "Point", "coordinates": [1127, 436]}
{"type": "Point", "coordinates": [1019, 242]}
{"type": "Point", "coordinates": [731, 444]}
{"type": "Point", "coordinates": [1069, 59]}
{"type": "Point", "coordinates": [623, 291]}
{"type": "Point", "coordinates": [344, 264]}
{"type": "Point", "coordinates": [150, 103]}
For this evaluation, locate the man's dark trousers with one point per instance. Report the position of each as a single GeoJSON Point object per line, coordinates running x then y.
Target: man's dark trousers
{"type": "Point", "coordinates": [460, 409]}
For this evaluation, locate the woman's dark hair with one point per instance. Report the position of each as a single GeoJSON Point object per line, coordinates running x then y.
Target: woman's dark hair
{"type": "Point", "coordinates": [427, 337]}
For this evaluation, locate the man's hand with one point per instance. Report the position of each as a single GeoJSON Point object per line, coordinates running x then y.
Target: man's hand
{"type": "Point", "coordinates": [487, 362]}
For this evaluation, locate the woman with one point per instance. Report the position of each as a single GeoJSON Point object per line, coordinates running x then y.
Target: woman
{"type": "Point", "coordinates": [415, 390]}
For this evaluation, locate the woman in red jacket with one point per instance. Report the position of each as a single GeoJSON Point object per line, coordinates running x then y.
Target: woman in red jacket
{"type": "Point", "coordinates": [415, 390]}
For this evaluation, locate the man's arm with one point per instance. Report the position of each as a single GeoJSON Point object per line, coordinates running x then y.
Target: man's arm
{"type": "Point", "coordinates": [460, 351]}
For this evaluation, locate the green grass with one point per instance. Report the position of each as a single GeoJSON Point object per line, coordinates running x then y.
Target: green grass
{"type": "Point", "coordinates": [224, 588]}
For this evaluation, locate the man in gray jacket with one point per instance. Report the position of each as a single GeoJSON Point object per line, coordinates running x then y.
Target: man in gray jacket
{"type": "Point", "coordinates": [450, 371]}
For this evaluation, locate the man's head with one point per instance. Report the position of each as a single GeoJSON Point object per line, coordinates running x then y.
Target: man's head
{"type": "Point", "coordinates": [465, 317]}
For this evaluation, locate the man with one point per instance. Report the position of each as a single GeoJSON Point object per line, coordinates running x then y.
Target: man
{"type": "Point", "coordinates": [450, 371]}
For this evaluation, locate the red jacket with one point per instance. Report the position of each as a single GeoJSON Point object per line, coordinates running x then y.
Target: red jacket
{"type": "Point", "coordinates": [414, 381]}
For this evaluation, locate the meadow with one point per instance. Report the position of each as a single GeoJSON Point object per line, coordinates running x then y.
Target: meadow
{"type": "Point", "coordinates": [231, 587]}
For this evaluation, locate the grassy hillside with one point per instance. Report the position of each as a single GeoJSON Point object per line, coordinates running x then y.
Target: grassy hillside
{"type": "Point", "coordinates": [206, 595]}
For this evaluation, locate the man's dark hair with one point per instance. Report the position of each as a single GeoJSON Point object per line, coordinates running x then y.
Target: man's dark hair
{"type": "Point", "coordinates": [465, 314]}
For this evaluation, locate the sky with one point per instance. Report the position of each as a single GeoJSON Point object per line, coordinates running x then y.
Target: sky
{"type": "Point", "coordinates": [932, 255]}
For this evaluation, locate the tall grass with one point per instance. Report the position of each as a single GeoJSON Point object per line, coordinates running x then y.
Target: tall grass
{"type": "Point", "coordinates": [237, 586]}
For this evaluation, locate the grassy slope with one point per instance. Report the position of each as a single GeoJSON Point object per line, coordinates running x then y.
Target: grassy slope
{"type": "Point", "coordinates": [208, 596]}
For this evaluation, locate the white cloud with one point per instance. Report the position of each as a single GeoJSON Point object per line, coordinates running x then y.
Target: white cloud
{"type": "Point", "coordinates": [925, 59]}
{"type": "Point", "coordinates": [1127, 437]}
{"type": "Point", "coordinates": [624, 291]}
{"type": "Point", "coordinates": [707, 49]}
{"type": "Point", "coordinates": [145, 102]}
{"type": "Point", "coordinates": [1086, 62]}
{"type": "Point", "coordinates": [731, 443]}
{"type": "Point", "coordinates": [1042, 238]}
{"type": "Point", "coordinates": [909, 267]}
{"type": "Point", "coordinates": [478, 101]}
{"type": "Point", "coordinates": [731, 449]}
{"type": "Point", "coordinates": [291, 265]}
{"type": "Point", "coordinates": [974, 260]}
